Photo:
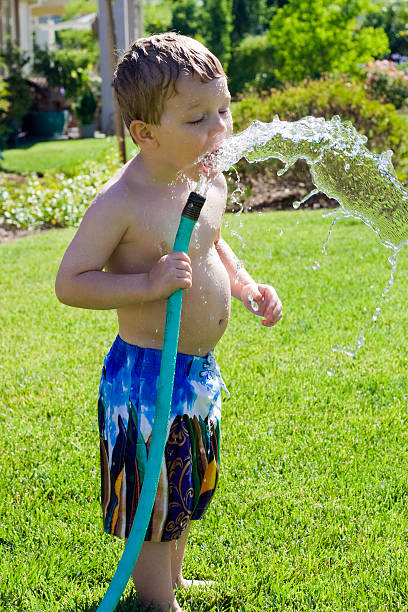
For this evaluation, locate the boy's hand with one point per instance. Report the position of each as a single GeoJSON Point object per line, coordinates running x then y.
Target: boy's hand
{"type": "Point", "coordinates": [171, 272]}
{"type": "Point", "coordinates": [263, 301]}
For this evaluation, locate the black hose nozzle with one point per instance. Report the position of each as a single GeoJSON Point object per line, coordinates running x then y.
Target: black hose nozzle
{"type": "Point", "coordinates": [193, 206]}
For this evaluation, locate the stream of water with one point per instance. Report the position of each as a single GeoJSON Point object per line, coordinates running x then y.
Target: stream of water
{"type": "Point", "coordinates": [364, 184]}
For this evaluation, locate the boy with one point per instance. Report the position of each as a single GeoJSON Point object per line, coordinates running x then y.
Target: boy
{"type": "Point", "coordinates": [174, 100]}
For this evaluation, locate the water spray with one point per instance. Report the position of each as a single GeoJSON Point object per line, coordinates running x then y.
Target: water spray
{"type": "Point", "coordinates": [141, 520]}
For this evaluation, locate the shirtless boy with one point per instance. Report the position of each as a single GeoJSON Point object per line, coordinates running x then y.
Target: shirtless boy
{"type": "Point", "coordinates": [174, 100]}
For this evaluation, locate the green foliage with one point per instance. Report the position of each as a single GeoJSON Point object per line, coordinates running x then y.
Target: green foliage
{"type": "Point", "coordinates": [216, 28]}
{"type": "Point", "coordinates": [383, 126]}
{"type": "Point", "coordinates": [310, 37]}
{"type": "Point", "coordinates": [4, 108]}
{"type": "Point", "coordinates": [185, 17]}
{"type": "Point", "coordinates": [392, 16]}
{"type": "Point", "coordinates": [252, 65]}
{"type": "Point", "coordinates": [157, 16]}
{"type": "Point", "coordinates": [385, 82]}
{"type": "Point", "coordinates": [85, 106]}
{"type": "Point", "coordinates": [67, 69]}
{"type": "Point", "coordinates": [18, 92]}
{"type": "Point", "coordinates": [74, 8]}
{"type": "Point", "coordinates": [54, 200]}
{"type": "Point", "coordinates": [81, 45]}
{"type": "Point", "coordinates": [249, 17]}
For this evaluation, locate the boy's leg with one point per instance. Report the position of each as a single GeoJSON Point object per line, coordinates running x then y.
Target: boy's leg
{"type": "Point", "coordinates": [178, 548]}
{"type": "Point", "coordinates": [152, 576]}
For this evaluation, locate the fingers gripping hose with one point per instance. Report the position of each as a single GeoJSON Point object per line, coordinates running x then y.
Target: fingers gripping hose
{"type": "Point", "coordinates": [141, 520]}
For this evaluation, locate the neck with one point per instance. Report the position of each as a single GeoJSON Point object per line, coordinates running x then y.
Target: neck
{"type": "Point", "coordinates": [157, 173]}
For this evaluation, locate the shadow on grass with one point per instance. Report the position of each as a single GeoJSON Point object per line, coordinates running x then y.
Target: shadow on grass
{"type": "Point", "coordinates": [130, 603]}
{"type": "Point", "coordinates": [126, 604]}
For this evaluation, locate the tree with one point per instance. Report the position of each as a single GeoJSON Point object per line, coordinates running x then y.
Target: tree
{"type": "Point", "coordinates": [216, 28]}
{"type": "Point", "coordinates": [252, 66]}
{"type": "Point", "coordinates": [185, 17]}
{"type": "Point", "coordinates": [310, 37]}
{"type": "Point", "coordinates": [249, 17]}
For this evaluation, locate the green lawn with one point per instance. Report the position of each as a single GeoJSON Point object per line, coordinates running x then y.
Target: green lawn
{"type": "Point", "coordinates": [311, 511]}
{"type": "Point", "coordinates": [59, 155]}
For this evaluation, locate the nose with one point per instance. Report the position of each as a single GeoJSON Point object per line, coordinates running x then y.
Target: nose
{"type": "Point", "coordinates": [218, 125]}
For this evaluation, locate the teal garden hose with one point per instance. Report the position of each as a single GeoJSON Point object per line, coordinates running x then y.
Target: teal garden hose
{"type": "Point", "coordinates": [189, 216]}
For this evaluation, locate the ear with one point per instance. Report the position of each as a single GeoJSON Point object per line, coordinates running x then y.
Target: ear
{"type": "Point", "coordinates": [143, 134]}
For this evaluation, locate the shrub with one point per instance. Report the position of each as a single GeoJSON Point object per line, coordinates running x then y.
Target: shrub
{"type": "Point", "coordinates": [311, 37]}
{"type": "Point", "coordinates": [68, 70]}
{"type": "Point", "coordinates": [4, 107]}
{"type": "Point", "coordinates": [54, 200]}
{"type": "Point", "coordinates": [19, 95]}
{"type": "Point", "coordinates": [383, 126]}
{"type": "Point", "coordinates": [252, 66]}
{"type": "Point", "coordinates": [385, 82]}
{"type": "Point", "coordinates": [85, 107]}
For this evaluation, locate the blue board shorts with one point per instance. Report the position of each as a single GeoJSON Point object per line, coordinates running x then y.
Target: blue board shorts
{"type": "Point", "coordinates": [126, 409]}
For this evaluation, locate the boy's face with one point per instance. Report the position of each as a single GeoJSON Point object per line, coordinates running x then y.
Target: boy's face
{"type": "Point", "coordinates": [195, 121]}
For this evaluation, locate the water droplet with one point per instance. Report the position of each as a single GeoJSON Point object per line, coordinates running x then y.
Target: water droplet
{"type": "Point", "coordinates": [253, 303]}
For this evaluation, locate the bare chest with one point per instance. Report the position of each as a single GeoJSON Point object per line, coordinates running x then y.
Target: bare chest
{"type": "Point", "coordinates": [152, 230]}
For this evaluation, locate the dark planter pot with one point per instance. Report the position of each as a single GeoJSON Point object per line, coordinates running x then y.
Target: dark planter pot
{"type": "Point", "coordinates": [46, 124]}
{"type": "Point", "coordinates": [87, 130]}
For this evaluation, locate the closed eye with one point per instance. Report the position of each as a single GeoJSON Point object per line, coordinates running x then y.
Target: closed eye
{"type": "Point", "coordinates": [196, 122]}
{"type": "Point", "coordinates": [222, 111]}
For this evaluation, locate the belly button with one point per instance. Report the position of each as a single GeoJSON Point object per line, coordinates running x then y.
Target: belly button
{"type": "Point", "coordinates": [221, 321]}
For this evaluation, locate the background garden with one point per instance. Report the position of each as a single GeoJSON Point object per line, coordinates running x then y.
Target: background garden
{"type": "Point", "coordinates": [292, 59]}
{"type": "Point", "coordinates": [311, 511]}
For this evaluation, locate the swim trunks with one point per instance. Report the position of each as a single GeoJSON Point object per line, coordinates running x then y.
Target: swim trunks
{"type": "Point", "coordinates": [126, 409]}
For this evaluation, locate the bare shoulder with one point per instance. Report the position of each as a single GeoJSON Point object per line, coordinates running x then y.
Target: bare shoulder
{"type": "Point", "coordinates": [113, 198]}
{"type": "Point", "coordinates": [101, 230]}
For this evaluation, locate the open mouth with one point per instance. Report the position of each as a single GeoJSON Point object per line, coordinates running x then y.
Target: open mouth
{"type": "Point", "coordinates": [209, 163]}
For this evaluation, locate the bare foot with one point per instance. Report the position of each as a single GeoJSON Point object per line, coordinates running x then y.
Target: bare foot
{"type": "Point", "coordinates": [182, 583]}
{"type": "Point", "coordinates": [173, 605]}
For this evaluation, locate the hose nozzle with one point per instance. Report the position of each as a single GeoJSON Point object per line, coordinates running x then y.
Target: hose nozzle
{"type": "Point", "coordinates": [193, 207]}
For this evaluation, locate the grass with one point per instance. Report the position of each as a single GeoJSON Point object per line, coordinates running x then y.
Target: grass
{"type": "Point", "coordinates": [311, 511]}
{"type": "Point", "coordinates": [59, 155]}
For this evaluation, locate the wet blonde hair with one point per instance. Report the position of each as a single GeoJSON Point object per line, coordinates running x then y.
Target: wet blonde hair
{"type": "Point", "coordinates": [146, 75]}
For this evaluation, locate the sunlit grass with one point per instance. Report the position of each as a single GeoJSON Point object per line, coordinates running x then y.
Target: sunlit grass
{"type": "Point", "coordinates": [311, 508]}
{"type": "Point", "coordinates": [64, 156]}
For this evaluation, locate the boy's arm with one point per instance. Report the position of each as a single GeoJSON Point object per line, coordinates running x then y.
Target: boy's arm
{"type": "Point", "coordinates": [81, 280]}
{"type": "Point", "coordinates": [261, 300]}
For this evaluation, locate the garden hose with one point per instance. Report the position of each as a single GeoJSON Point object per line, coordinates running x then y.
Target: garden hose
{"type": "Point", "coordinates": [189, 216]}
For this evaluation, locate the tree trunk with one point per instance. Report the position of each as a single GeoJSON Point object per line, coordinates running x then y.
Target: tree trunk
{"type": "Point", "coordinates": [119, 130]}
